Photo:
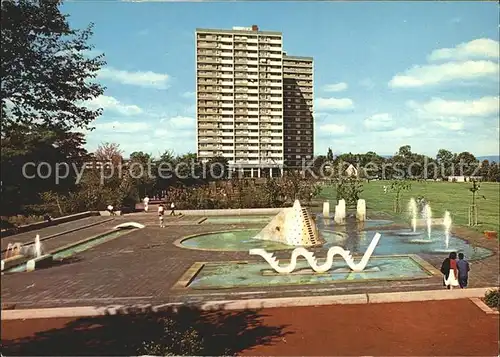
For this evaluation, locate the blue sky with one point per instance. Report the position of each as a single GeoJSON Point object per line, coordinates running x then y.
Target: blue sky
{"type": "Point", "coordinates": [386, 73]}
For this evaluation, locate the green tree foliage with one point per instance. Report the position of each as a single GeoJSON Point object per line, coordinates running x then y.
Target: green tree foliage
{"type": "Point", "coordinates": [329, 155]}
{"type": "Point", "coordinates": [46, 76]}
{"type": "Point", "coordinates": [349, 189]}
{"type": "Point", "coordinates": [398, 187]}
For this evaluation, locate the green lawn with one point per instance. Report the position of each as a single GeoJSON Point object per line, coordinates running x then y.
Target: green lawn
{"type": "Point", "coordinates": [442, 196]}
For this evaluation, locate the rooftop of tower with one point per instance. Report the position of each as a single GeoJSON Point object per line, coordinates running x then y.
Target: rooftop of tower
{"type": "Point", "coordinates": [243, 30]}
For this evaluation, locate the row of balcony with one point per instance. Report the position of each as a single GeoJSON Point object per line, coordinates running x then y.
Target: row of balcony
{"type": "Point", "coordinates": [239, 38]}
{"type": "Point", "coordinates": [296, 91]}
{"type": "Point", "coordinates": [287, 62]}
{"type": "Point", "coordinates": [250, 118]}
{"type": "Point", "coordinates": [251, 76]}
{"type": "Point", "coordinates": [247, 89]}
{"type": "Point", "coordinates": [241, 46]}
{"type": "Point", "coordinates": [257, 110]}
{"type": "Point", "coordinates": [229, 61]}
{"type": "Point", "coordinates": [243, 68]}
{"type": "Point", "coordinates": [255, 97]}
{"type": "Point", "coordinates": [297, 70]}
{"type": "Point", "coordinates": [241, 80]}
{"type": "Point", "coordinates": [243, 104]}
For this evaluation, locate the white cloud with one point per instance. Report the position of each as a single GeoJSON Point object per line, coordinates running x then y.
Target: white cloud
{"type": "Point", "coordinates": [122, 127]}
{"type": "Point", "coordinates": [336, 87]}
{"type": "Point", "coordinates": [441, 108]}
{"type": "Point", "coordinates": [112, 104]}
{"type": "Point", "coordinates": [332, 129]}
{"type": "Point", "coordinates": [401, 133]}
{"type": "Point", "coordinates": [320, 115]}
{"type": "Point", "coordinates": [146, 79]}
{"type": "Point", "coordinates": [479, 48]}
{"type": "Point", "coordinates": [155, 135]}
{"type": "Point", "coordinates": [379, 122]}
{"type": "Point", "coordinates": [428, 75]}
{"type": "Point", "coordinates": [181, 122]}
{"type": "Point", "coordinates": [188, 94]}
{"type": "Point", "coordinates": [453, 124]}
{"type": "Point", "coordinates": [327, 104]}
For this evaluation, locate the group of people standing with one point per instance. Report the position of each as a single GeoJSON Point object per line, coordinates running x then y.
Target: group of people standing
{"type": "Point", "coordinates": [455, 271]}
{"type": "Point", "coordinates": [161, 209]}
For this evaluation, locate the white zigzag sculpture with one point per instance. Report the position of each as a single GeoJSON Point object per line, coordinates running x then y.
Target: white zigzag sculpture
{"type": "Point", "coordinates": [313, 261]}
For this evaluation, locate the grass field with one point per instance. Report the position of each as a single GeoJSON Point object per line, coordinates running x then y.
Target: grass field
{"type": "Point", "coordinates": [442, 196]}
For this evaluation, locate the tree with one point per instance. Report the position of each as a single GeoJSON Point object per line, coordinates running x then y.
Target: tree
{"type": "Point", "coordinates": [45, 72]}
{"type": "Point", "coordinates": [329, 155]}
{"type": "Point", "coordinates": [467, 164]}
{"type": "Point", "coordinates": [109, 153]}
{"type": "Point", "coordinates": [349, 189]}
{"type": "Point", "coordinates": [445, 161]}
{"type": "Point", "coordinates": [143, 178]}
{"type": "Point", "coordinates": [217, 168]}
{"type": "Point", "coordinates": [404, 151]}
{"type": "Point", "coordinates": [397, 187]}
{"type": "Point", "coordinates": [46, 79]}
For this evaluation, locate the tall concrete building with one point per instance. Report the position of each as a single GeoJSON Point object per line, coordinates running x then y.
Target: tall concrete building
{"type": "Point", "coordinates": [243, 79]}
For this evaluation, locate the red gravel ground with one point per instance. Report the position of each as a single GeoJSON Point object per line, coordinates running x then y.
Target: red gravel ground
{"type": "Point", "coordinates": [438, 328]}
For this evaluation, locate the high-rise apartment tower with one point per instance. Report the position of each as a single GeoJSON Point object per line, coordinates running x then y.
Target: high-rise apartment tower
{"type": "Point", "coordinates": [254, 103]}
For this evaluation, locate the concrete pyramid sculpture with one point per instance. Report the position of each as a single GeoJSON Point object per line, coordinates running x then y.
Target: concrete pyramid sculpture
{"type": "Point", "coordinates": [292, 226]}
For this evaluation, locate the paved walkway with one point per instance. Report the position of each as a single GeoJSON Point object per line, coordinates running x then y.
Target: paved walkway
{"type": "Point", "coordinates": [436, 328]}
{"type": "Point", "coordinates": [141, 268]}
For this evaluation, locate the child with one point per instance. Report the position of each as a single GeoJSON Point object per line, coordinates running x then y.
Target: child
{"type": "Point", "coordinates": [161, 211]}
{"type": "Point", "coordinates": [146, 203]}
{"type": "Point", "coordinates": [172, 207]}
{"type": "Point", "coordinates": [463, 271]}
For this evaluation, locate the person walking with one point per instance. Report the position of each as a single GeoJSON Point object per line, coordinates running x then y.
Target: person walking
{"type": "Point", "coordinates": [146, 203]}
{"type": "Point", "coordinates": [161, 211]}
{"type": "Point", "coordinates": [463, 271]}
{"type": "Point", "coordinates": [172, 209]}
{"type": "Point", "coordinates": [450, 271]}
{"type": "Point", "coordinates": [111, 210]}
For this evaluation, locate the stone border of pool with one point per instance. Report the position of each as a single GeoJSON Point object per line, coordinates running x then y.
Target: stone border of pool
{"type": "Point", "coordinates": [42, 239]}
{"type": "Point", "coordinates": [190, 274]}
{"type": "Point", "coordinates": [376, 298]}
{"type": "Point", "coordinates": [232, 212]}
{"type": "Point", "coordinates": [24, 259]}
{"type": "Point", "coordinates": [4, 233]}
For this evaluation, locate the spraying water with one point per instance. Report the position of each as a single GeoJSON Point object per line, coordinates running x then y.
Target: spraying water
{"type": "Point", "coordinates": [447, 226]}
{"type": "Point", "coordinates": [428, 219]}
{"type": "Point", "coordinates": [38, 247]}
{"type": "Point", "coordinates": [412, 208]}
{"type": "Point", "coordinates": [340, 212]}
{"type": "Point", "coordinates": [361, 210]}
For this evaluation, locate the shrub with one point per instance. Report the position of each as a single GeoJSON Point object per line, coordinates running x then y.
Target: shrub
{"type": "Point", "coordinates": [176, 341]}
{"type": "Point", "coordinates": [492, 298]}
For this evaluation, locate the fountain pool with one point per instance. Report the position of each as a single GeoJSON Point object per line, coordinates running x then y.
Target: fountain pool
{"type": "Point", "coordinates": [78, 248]}
{"type": "Point", "coordinates": [226, 275]}
{"type": "Point", "coordinates": [357, 242]}
{"type": "Point", "coordinates": [237, 240]}
{"type": "Point", "coordinates": [393, 243]}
